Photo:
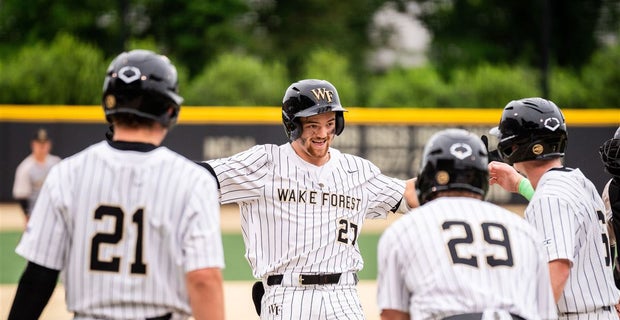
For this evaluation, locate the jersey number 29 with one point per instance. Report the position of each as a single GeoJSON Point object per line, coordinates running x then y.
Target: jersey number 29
{"type": "Point", "coordinates": [487, 228]}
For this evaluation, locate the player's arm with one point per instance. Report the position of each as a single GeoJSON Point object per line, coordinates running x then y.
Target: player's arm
{"type": "Point", "coordinates": [390, 314]}
{"type": "Point", "coordinates": [410, 195]}
{"type": "Point", "coordinates": [409, 200]}
{"type": "Point", "coordinates": [559, 271]}
{"type": "Point", "coordinates": [34, 290]}
{"type": "Point", "coordinates": [23, 203]}
{"type": "Point", "coordinates": [206, 293]}
{"type": "Point", "coordinates": [509, 179]}
{"type": "Point", "coordinates": [21, 187]}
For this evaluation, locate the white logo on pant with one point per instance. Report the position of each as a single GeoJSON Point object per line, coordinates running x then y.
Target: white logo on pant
{"type": "Point", "coordinates": [275, 309]}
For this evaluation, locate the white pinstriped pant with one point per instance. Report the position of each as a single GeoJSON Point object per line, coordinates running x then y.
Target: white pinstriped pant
{"type": "Point", "coordinates": [291, 301]}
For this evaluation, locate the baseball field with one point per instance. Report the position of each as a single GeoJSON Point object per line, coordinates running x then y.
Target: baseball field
{"type": "Point", "coordinates": [237, 275]}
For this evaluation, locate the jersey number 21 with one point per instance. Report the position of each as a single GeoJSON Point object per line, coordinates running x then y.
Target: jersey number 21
{"type": "Point", "coordinates": [113, 238]}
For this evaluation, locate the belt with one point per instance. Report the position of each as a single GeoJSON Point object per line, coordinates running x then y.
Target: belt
{"type": "Point", "coordinates": [166, 316]}
{"type": "Point", "coordinates": [307, 279]}
{"type": "Point", "coordinates": [475, 316]}
{"type": "Point", "coordinates": [604, 308]}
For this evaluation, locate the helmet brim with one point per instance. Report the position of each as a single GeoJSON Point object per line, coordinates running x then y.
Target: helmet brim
{"type": "Point", "coordinates": [318, 109]}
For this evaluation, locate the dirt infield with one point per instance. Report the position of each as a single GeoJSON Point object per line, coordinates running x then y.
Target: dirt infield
{"type": "Point", "coordinates": [11, 218]}
{"type": "Point", "coordinates": [237, 293]}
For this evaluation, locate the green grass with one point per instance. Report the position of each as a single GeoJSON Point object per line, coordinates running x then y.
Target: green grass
{"type": "Point", "coordinates": [11, 265]}
{"type": "Point", "coordinates": [237, 268]}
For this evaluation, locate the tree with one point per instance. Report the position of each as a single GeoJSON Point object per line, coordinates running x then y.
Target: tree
{"type": "Point", "coordinates": [237, 80]}
{"type": "Point", "coordinates": [290, 30]}
{"type": "Point", "coordinates": [69, 72]}
{"type": "Point", "coordinates": [191, 31]}
{"type": "Point", "coordinates": [33, 21]}
{"type": "Point", "coordinates": [467, 33]}
{"type": "Point", "coordinates": [196, 32]}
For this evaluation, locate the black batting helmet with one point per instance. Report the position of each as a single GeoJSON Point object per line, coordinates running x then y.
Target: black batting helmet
{"type": "Point", "coordinates": [453, 159]}
{"type": "Point", "coordinates": [610, 154]}
{"type": "Point", "coordinates": [307, 98]}
{"type": "Point", "coordinates": [531, 129]}
{"type": "Point", "coordinates": [143, 83]}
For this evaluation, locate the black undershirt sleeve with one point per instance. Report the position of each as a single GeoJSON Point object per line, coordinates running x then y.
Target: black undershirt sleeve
{"type": "Point", "coordinates": [23, 203]}
{"type": "Point", "coordinates": [211, 171]}
{"type": "Point", "coordinates": [614, 199]}
{"type": "Point", "coordinates": [396, 206]}
{"type": "Point", "coordinates": [33, 292]}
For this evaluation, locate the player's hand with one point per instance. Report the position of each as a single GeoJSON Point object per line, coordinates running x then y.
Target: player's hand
{"type": "Point", "coordinates": [505, 176]}
{"type": "Point", "coordinates": [618, 309]}
{"type": "Point", "coordinates": [493, 155]}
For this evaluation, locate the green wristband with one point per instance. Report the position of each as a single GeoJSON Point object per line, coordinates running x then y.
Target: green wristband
{"type": "Point", "coordinates": [525, 189]}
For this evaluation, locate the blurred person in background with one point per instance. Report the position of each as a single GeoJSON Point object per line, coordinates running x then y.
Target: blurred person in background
{"type": "Point", "coordinates": [31, 172]}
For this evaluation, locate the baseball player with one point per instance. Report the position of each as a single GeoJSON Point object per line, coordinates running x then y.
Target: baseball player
{"type": "Point", "coordinates": [31, 172]}
{"type": "Point", "coordinates": [457, 256]}
{"type": "Point", "coordinates": [610, 155]}
{"type": "Point", "coordinates": [566, 209]}
{"type": "Point", "coordinates": [302, 208]}
{"type": "Point", "coordinates": [133, 226]}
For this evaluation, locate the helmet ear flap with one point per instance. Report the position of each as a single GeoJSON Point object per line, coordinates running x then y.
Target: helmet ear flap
{"type": "Point", "coordinates": [290, 127]}
{"type": "Point", "coordinates": [339, 122]}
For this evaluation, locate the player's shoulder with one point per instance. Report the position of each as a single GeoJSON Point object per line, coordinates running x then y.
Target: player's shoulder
{"type": "Point", "coordinates": [257, 151]}
{"type": "Point", "coordinates": [26, 163]}
{"type": "Point", "coordinates": [353, 162]}
{"type": "Point", "coordinates": [566, 185]}
{"type": "Point", "coordinates": [183, 168]}
{"type": "Point", "coordinates": [563, 177]}
{"type": "Point", "coordinates": [80, 155]}
{"type": "Point", "coordinates": [54, 158]}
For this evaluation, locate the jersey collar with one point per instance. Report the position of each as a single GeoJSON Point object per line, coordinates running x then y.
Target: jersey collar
{"type": "Point", "coordinates": [132, 146]}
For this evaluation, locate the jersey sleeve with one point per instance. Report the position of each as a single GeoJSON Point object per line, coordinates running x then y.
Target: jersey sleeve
{"type": "Point", "coordinates": [241, 176]}
{"type": "Point", "coordinates": [46, 238]}
{"type": "Point", "coordinates": [21, 186]}
{"type": "Point", "coordinates": [391, 293]}
{"type": "Point", "coordinates": [387, 192]}
{"type": "Point", "coordinates": [202, 238]}
{"type": "Point", "coordinates": [545, 300]}
{"type": "Point", "coordinates": [607, 201]}
{"type": "Point", "coordinates": [556, 223]}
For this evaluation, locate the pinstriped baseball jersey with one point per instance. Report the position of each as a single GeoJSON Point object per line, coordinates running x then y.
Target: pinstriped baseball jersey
{"type": "Point", "coordinates": [458, 255]}
{"type": "Point", "coordinates": [29, 178]}
{"type": "Point", "coordinates": [124, 226]}
{"type": "Point", "coordinates": [569, 213]}
{"type": "Point", "coordinates": [298, 217]}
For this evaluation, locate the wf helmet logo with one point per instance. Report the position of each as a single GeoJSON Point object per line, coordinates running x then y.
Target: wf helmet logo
{"type": "Point", "coordinates": [323, 94]}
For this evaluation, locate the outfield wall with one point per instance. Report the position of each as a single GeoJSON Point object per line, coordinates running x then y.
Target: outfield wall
{"type": "Point", "coordinates": [391, 138]}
